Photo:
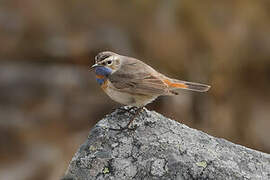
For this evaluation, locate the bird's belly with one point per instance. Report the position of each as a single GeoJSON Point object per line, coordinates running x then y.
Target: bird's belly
{"type": "Point", "coordinates": [127, 98]}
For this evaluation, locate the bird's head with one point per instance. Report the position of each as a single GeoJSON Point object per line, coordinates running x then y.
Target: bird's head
{"type": "Point", "coordinates": [106, 63]}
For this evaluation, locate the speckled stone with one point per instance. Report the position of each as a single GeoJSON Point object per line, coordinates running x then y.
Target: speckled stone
{"type": "Point", "coordinates": [161, 148]}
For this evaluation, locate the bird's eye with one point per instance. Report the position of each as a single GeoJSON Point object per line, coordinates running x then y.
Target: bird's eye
{"type": "Point", "coordinates": [109, 62]}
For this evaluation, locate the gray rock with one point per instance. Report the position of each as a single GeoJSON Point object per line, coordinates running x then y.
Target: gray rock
{"type": "Point", "coordinates": [161, 148]}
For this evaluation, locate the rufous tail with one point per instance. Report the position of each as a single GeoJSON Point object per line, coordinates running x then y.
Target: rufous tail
{"type": "Point", "coordinates": [176, 84]}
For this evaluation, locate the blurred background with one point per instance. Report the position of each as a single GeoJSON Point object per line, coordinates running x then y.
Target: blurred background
{"type": "Point", "coordinates": [49, 99]}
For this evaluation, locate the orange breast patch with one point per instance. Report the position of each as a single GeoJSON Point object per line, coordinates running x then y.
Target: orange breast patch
{"type": "Point", "coordinates": [100, 77]}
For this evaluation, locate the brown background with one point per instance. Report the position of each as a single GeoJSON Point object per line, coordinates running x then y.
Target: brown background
{"type": "Point", "coordinates": [49, 100]}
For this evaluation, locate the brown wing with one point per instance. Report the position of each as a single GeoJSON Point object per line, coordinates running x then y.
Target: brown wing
{"type": "Point", "coordinates": [138, 78]}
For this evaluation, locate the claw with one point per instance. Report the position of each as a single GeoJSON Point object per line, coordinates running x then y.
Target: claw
{"type": "Point", "coordinates": [123, 110]}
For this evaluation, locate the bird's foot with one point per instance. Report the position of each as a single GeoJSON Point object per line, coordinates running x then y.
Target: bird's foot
{"type": "Point", "coordinates": [123, 110]}
{"type": "Point", "coordinates": [138, 110]}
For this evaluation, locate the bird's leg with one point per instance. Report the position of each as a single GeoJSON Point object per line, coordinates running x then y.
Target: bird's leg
{"type": "Point", "coordinates": [134, 116]}
{"type": "Point", "coordinates": [129, 123]}
{"type": "Point", "coordinates": [123, 110]}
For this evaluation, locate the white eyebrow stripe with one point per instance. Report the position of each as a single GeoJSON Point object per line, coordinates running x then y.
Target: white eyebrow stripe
{"type": "Point", "coordinates": [111, 58]}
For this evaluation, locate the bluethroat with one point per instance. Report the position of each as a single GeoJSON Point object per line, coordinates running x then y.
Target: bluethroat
{"type": "Point", "coordinates": [131, 82]}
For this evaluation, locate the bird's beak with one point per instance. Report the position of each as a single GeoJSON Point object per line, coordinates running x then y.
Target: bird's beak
{"type": "Point", "coordinates": [92, 67]}
{"type": "Point", "coordinates": [95, 65]}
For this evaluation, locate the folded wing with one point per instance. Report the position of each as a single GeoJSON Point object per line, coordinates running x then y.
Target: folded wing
{"type": "Point", "coordinates": [138, 78]}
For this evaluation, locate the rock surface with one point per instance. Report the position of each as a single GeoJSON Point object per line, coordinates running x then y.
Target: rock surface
{"type": "Point", "coordinates": [161, 148]}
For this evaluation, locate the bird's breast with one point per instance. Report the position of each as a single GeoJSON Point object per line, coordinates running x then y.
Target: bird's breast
{"type": "Point", "coordinates": [126, 98]}
{"type": "Point", "coordinates": [102, 81]}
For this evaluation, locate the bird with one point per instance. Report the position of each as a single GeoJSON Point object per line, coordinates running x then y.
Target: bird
{"type": "Point", "coordinates": [130, 81]}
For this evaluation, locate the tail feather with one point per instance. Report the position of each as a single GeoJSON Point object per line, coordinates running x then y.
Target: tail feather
{"type": "Point", "coordinates": [177, 84]}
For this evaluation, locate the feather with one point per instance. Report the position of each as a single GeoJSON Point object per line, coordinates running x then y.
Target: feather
{"type": "Point", "coordinates": [137, 77]}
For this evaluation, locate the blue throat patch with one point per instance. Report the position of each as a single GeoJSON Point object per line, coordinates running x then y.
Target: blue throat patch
{"type": "Point", "coordinates": [100, 81]}
{"type": "Point", "coordinates": [103, 72]}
